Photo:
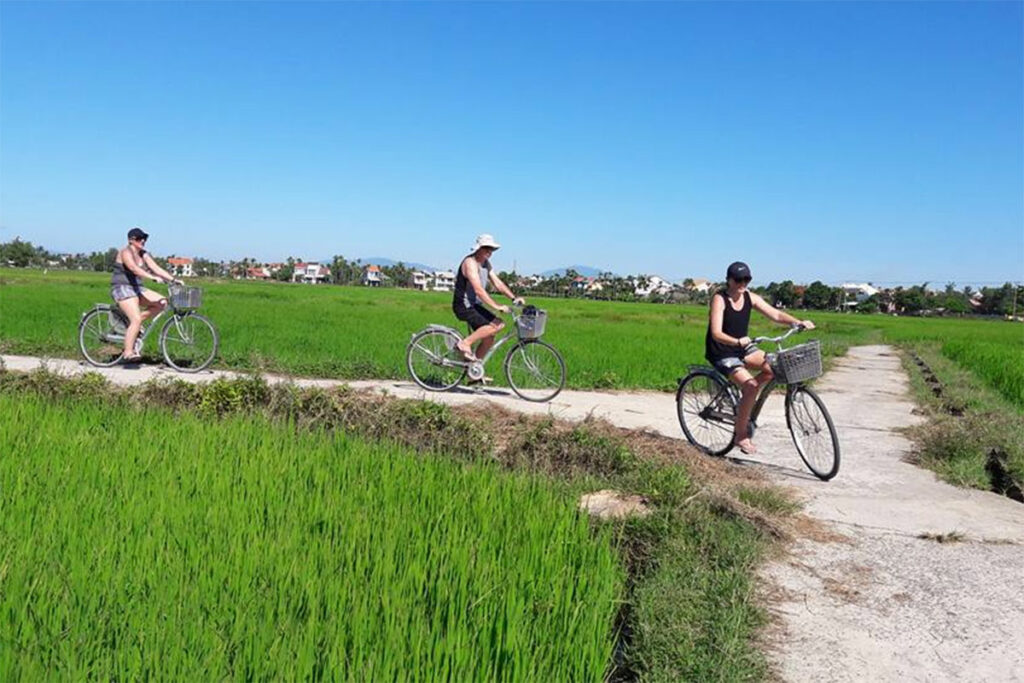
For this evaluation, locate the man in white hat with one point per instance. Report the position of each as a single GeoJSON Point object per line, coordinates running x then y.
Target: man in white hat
{"type": "Point", "coordinates": [471, 281]}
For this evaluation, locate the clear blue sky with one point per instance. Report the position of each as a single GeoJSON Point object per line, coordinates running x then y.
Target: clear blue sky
{"type": "Point", "coordinates": [867, 141]}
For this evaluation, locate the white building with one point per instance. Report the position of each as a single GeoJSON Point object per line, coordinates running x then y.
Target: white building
{"type": "Point", "coordinates": [180, 267]}
{"type": "Point", "coordinates": [655, 285]}
{"type": "Point", "coordinates": [311, 273]}
{"type": "Point", "coordinates": [420, 280]}
{"type": "Point", "coordinates": [700, 284]}
{"type": "Point", "coordinates": [860, 292]}
{"type": "Point", "coordinates": [372, 276]}
{"type": "Point", "coordinates": [444, 281]}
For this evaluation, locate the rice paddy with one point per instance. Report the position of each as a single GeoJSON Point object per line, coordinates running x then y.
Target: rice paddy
{"type": "Point", "coordinates": [353, 332]}
{"type": "Point", "coordinates": [175, 548]}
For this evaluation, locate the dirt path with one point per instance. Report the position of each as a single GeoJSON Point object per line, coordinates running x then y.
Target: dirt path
{"type": "Point", "coordinates": [883, 603]}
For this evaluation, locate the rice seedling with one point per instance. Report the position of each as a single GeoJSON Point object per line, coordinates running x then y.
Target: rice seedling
{"type": "Point", "coordinates": [169, 546]}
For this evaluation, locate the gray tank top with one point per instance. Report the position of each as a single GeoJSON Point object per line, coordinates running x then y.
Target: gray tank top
{"type": "Point", "coordinates": [123, 276]}
{"type": "Point", "coordinates": [464, 292]}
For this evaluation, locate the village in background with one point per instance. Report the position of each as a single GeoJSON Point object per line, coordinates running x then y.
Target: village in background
{"type": "Point", "coordinates": [574, 282]}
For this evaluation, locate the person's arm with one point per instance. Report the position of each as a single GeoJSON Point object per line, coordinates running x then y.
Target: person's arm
{"type": "Point", "coordinates": [151, 263]}
{"type": "Point", "coordinates": [504, 289]}
{"type": "Point", "coordinates": [472, 274]}
{"type": "Point", "coordinates": [775, 315]}
{"type": "Point", "coordinates": [717, 315]}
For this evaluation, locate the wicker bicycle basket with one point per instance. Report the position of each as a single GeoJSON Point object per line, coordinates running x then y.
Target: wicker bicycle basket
{"type": "Point", "coordinates": [185, 297]}
{"type": "Point", "coordinates": [799, 363]}
{"type": "Point", "coordinates": [531, 323]}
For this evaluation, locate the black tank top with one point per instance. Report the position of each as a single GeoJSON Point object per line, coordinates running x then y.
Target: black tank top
{"type": "Point", "coordinates": [734, 323]}
{"type": "Point", "coordinates": [464, 295]}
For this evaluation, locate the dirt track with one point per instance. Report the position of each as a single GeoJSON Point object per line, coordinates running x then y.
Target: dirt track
{"type": "Point", "coordinates": [880, 604]}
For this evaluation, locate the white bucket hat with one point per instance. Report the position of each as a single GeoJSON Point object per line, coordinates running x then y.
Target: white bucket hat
{"type": "Point", "coordinates": [484, 240]}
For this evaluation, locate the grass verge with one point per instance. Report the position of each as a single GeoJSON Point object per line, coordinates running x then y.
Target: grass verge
{"type": "Point", "coordinates": [972, 436]}
{"type": "Point", "coordinates": [688, 609]}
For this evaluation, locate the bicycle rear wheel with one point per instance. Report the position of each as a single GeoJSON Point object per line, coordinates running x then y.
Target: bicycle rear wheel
{"type": "Point", "coordinates": [101, 345]}
{"type": "Point", "coordinates": [189, 342]}
{"type": "Point", "coordinates": [813, 432]}
{"type": "Point", "coordinates": [535, 370]}
{"type": "Point", "coordinates": [707, 412]}
{"type": "Point", "coordinates": [432, 360]}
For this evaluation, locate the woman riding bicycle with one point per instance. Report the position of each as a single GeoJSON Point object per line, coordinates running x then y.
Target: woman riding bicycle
{"type": "Point", "coordinates": [132, 264]}
{"type": "Point", "coordinates": [728, 347]}
{"type": "Point", "coordinates": [471, 281]}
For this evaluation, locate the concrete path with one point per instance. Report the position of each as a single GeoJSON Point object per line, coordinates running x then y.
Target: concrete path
{"type": "Point", "coordinates": [880, 604]}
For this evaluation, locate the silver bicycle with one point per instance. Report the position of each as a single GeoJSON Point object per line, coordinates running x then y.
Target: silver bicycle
{"type": "Point", "coordinates": [533, 368]}
{"type": "Point", "coordinates": [188, 341]}
{"type": "Point", "coordinates": [707, 403]}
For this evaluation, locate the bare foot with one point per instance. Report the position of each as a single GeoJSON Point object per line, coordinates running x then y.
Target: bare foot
{"type": "Point", "coordinates": [746, 445]}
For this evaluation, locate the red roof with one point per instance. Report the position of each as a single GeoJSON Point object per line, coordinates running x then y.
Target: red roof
{"type": "Point", "coordinates": [372, 267]}
{"type": "Point", "coordinates": [175, 261]}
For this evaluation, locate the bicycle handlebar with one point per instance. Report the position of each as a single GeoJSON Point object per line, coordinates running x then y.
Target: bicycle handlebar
{"type": "Point", "coordinates": [777, 340]}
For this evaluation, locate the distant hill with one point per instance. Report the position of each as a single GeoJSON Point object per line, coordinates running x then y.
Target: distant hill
{"type": "Point", "coordinates": [585, 271]}
{"type": "Point", "coordinates": [384, 261]}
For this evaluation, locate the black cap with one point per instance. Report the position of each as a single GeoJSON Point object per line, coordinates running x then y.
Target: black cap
{"type": "Point", "coordinates": [137, 234]}
{"type": "Point", "coordinates": [739, 271]}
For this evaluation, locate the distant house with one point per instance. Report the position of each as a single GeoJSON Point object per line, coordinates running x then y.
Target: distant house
{"type": "Point", "coordinates": [420, 280]}
{"type": "Point", "coordinates": [860, 292]}
{"type": "Point", "coordinates": [444, 281]}
{"type": "Point", "coordinates": [372, 276]}
{"type": "Point", "coordinates": [258, 273]}
{"type": "Point", "coordinates": [180, 267]}
{"type": "Point", "coordinates": [700, 284]}
{"type": "Point", "coordinates": [655, 285]}
{"type": "Point", "coordinates": [311, 273]}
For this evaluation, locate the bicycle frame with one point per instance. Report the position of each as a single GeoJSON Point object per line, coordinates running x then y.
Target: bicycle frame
{"type": "Point", "coordinates": [499, 341]}
{"type": "Point", "coordinates": [150, 324]}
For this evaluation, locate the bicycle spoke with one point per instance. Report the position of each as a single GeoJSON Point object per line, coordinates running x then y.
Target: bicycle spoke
{"type": "Point", "coordinates": [812, 434]}
{"type": "Point", "coordinates": [535, 371]}
{"type": "Point", "coordinates": [426, 360]}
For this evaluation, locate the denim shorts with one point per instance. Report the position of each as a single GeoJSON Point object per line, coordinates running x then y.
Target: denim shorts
{"type": "Point", "coordinates": [122, 292]}
{"type": "Point", "coordinates": [731, 364]}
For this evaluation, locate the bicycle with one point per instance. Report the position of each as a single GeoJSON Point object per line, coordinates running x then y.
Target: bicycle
{"type": "Point", "coordinates": [188, 341]}
{"type": "Point", "coordinates": [534, 369]}
{"type": "Point", "coordinates": [706, 403]}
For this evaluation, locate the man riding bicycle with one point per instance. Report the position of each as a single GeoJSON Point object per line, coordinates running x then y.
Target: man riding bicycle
{"type": "Point", "coordinates": [728, 347]}
{"type": "Point", "coordinates": [471, 281]}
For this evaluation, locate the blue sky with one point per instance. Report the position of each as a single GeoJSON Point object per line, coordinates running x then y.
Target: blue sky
{"type": "Point", "coordinates": [869, 141]}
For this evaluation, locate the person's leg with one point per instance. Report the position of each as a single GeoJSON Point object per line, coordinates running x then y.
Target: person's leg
{"type": "Point", "coordinates": [742, 378]}
{"type": "Point", "coordinates": [152, 303]}
{"type": "Point", "coordinates": [757, 362]}
{"type": "Point", "coordinates": [130, 307]}
{"type": "Point", "coordinates": [487, 341]}
{"type": "Point", "coordinates": [481, 334]}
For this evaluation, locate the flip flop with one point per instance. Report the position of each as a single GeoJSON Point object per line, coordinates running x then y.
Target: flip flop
{"type": "Point", "coordinates": [131, 359]}
{"type": "Point", "coordinates": [749, 449]}
{"type": "Point", "coordinates": [467, 356]}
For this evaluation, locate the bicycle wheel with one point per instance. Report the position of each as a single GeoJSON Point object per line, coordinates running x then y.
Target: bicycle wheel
{"type": "Point", "coordinates": [189, 342]}
{"type": "Point", "coordinates": [100, 343]}
{"type": "Point", "coordinates": [707, 412]}
{"type": "Point", "coordinates": [813, 432]}
{"type": "Point", "coordinates": [432, 360]}
{"type": "Point", "coordinates": [535, 370]}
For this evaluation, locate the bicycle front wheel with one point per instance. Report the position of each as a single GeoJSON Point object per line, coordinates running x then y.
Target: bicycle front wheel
{"type": "Point", "coordinates": [813, 432]}
{"type": "Point", "coordinates": [707, 412]}
{"type": "Point", "coordinates": [433, 361]}
{"type": "Point", "coordinates": [535, 370]}
{"type": "Point", "coordinates": [100, 343]}
{"type": "Point", "coordinates": [189, 342]}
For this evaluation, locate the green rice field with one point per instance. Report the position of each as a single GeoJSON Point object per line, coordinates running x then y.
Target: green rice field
{"type": "Point", "coordinates": [353, 332]}
{"type": "Point", "coordinates": [168, 547]}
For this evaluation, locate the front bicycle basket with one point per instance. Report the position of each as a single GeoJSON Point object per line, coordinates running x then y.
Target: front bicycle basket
{"type": "Point", "coordinates": [798, 363]}
{"type": "Point", "coordinates": [531, 323]}
{"type": "Point", "coordinates": [185, 297]}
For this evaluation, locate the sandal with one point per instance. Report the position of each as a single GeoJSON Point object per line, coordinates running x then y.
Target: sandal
{"type": "Point", "coordinates": [749, 448]}
{"type": "Point", "coordinates": [134, 358]}
{"type": "Point", "coordinates": [467, 356]}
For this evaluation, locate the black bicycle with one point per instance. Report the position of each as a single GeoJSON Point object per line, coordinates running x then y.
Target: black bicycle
{"type": "Point", "coordinates": [707, 404]}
